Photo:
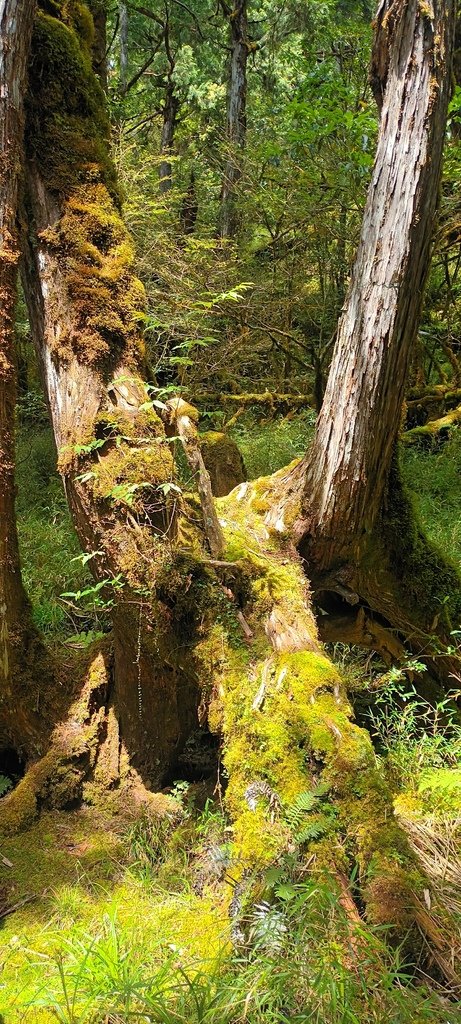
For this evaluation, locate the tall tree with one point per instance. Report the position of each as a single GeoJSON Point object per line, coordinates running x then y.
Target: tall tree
{"type": "Point", "coordinates": [237, 16]}
{"type": "Point", "coordinates": [16, 634]}
{"type": "Point", "coordinates": [349, 497]}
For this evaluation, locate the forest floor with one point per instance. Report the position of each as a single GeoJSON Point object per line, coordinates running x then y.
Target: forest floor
{"type": "Point", "coordinates": [114, 920]}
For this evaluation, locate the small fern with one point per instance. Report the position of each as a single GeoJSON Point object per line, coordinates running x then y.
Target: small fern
{"type": "Point", "coordinates": [5, 784]}
{"type": "Point", "coordinates": [316, 828]}
{"type": "Point", "coordinates": [304, 803]}
{"type": "Point", "coordinates": [311, 816]}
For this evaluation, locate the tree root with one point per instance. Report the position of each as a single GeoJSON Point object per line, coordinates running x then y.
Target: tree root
{"type": "Point", "coordinates": [287, 726]}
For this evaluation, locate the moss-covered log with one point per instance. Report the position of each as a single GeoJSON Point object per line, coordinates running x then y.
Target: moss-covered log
{"type": "Point", "coordinates": [434, 431]}
{"type": "Point", "coordinates": [288, 728]}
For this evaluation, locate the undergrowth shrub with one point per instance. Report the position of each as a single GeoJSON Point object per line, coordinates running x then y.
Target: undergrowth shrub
{"type": "Point", "coordinates": [434, 477]}
{"type": "Point", "coordinates": [305, 964]}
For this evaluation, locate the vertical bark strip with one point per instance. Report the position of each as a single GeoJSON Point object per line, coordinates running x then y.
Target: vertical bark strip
{"type": "Point", "coordinates": [236, 114]}
{"type": "Point", "coordinates": [123, 41]}
{"type": "Point", "coordinates": [99, 12]}
{"type": "Point", "coordinates": [16, 18]}
{"type": "Point", "coordinates": [348, 468]}
{"type": "Point", "coordinates": [170, 115]}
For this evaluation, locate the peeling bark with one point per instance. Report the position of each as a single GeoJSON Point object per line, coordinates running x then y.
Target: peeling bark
{"type": "Point", "coordinates": [347, 471]}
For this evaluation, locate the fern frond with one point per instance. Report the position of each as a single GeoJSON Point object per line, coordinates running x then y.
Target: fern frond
{"type": "Point", "coordinates": [5, 784]}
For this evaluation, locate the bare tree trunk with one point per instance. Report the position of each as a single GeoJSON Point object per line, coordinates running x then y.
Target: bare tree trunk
{"type": "Point", "coordinates": [348, 469]}
{"type": "Point", "coordinates": [17, 724]}
{"type": "Point", "coordinates": [123, 44]}
{"type": "Point", "coordinates": [356, 529]}
{"type": "Point", "coordinates": [170, 114]}
{"type": "Point", "coordinates": [236, 114]}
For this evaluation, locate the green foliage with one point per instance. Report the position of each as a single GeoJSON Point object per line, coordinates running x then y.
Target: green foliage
{"type": "Point", "coordinates": [46, 535]}
{"type": "Point", "coordinates": [5, 784]}
{"type": "Point", "coordinates": [435, 481]}
{"type": "Point", "coordinates": [299, 969]}
{"type": "Point", "coordinates": [311, 816]}
{"type": "Point", "coordinates": [417, 739]}
{"type": "Point", "coordinates": [443, 787]}
{"type": "Point", "coordinates": [268, 446]}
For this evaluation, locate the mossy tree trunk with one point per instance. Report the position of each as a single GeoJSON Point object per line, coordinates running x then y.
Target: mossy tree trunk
{"type": "Point", "coordinates": [87, 310]}
{"type": "Point", "coordinates": [18, 727]}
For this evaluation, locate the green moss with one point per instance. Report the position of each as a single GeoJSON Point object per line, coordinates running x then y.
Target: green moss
{"type": "Point", "coordinates": [68, 141]}
{"type": "Point", "coordinates": [223, 461]}
{"type": "Point", "coordinates": [126, 467]}
{"type": "Point", "coordinates": [79, 867]}
{"type": "Point", "coordinates": [283, 712]}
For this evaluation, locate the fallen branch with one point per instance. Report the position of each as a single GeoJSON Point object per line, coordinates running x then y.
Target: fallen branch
{"type": "Point", "coordinates": [7, 911]}
{"type": "Point", "coordinates": [434, 429]}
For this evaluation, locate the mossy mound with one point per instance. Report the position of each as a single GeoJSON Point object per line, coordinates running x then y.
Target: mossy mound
{"type": "Point", "coordinates": [82, 874]}
{"type": "Point", "coordinates": [223, 461]}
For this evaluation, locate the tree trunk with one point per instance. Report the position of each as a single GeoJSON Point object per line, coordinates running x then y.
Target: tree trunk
{"type": "Point", "coordinates": [347, 471]}
{"type": "Point", "coordinates": [236, 115]}
{"type": "Point", "coordinates": [123, 44]}
{"type": "Point", "coordinates": [99, 12]}
{"type": "Point", "coordinates": [18, 724]}
{"type": "Point", "coordinates": [170, 114]}
{"type": "Point", "coordinates": [86, 309]}
{"type": "Point", "coordinates": [356, 530]}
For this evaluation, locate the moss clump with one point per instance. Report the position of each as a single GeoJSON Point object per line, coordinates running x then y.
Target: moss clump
{"type": "Point", "coordinates": [67, 137]}
{"type": "Point", "coordinates": [127, 472]}
{"type": "Point", "coordinates": [223, 461]}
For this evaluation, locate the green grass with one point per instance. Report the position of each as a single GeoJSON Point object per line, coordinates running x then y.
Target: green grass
{"type": "Point", "coordinates": [47, 540]}
{"type": "Point", "coordinates": [101, 942]}
{"type": "Point", "coordinates": [435, 480]}
{"type": "Point", "coordinates": [267, 447]}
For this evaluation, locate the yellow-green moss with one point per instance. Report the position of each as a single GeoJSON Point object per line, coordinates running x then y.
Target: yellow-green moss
{"type": "Point", "coordinates": [283, 711]}
{"type": "Point", "coordinates": [223, 461]}
{"type": "Point", "coordinates": [141, 467]}
{"type": "Point", "coordinates": [68, 140]}
{"type": "Point", "coordinates": [78, 866]}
